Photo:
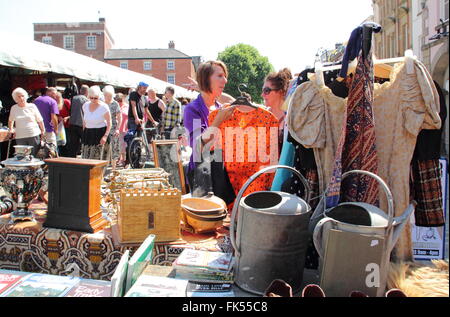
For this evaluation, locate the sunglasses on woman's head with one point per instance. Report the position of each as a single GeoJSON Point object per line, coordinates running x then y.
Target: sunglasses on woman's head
{"type": "Point", "coordinates": [268, 90]}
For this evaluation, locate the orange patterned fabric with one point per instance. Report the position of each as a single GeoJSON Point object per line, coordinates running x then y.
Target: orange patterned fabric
{"type": "Point", "coordinates": [249, 141]}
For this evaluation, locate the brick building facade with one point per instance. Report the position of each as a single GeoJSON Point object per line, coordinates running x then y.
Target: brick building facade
{"type": "Point", "coordinates": [94, 40]}
{"type": "Point", "coordinates": [168, 64]}
{"type": "Point", "coordinates": [91, 38]}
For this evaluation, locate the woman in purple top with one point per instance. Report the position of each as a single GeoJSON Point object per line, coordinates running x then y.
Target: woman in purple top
{"type": "Point", "coordinates": [211, 79]}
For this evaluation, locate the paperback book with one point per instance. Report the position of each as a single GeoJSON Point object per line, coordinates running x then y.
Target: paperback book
{"type": "Point", "coordinates": [42, 285]}
{"type": "Point", "coordinates": [7, 280]}
{"type": "Point", "coordinates": [208, 260]}
{"type": "Point", "coordinates": [90, 288]}
{"type": "Point", "coordinates": [155, 286]}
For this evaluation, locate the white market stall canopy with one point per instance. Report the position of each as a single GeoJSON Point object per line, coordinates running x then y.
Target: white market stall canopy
{"type": "Point", "coordinates": [33, 55]}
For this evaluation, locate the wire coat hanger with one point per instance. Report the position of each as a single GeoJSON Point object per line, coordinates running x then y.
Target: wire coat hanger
{"type": "Point", "coordinates": [242, 100]}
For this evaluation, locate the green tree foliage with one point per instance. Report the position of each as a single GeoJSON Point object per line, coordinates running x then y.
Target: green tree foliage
{"type": "Point", "coordinates": [245, 66]}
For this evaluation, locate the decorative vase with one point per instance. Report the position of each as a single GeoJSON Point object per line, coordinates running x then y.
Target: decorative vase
{"type": "Point", "coordinates": [21, 179]}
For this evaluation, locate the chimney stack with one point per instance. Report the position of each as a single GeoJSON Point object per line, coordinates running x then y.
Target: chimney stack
{"type": "Point", "coordinates": [101, 20]}
{"type": "Point", "coordinates": [172, 44]}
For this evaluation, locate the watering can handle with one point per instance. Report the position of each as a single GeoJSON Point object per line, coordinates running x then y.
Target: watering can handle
{"type": "Point", "coordinates": [318, 236]}
{"type": "Point", "coordinates": [387, 191]}
{"type": "Point", "coordinates": [243, 189]}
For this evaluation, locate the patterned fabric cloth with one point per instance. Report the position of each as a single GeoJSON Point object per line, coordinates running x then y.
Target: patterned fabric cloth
{"type": "Point", "coordinates": [357, 149]}
{"type": "Point", "coordinates": [427, 191]}
{"type": "Point", "coordinates": [172, 115]}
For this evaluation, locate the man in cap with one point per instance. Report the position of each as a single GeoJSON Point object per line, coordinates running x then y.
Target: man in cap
{"type": "Point", "coordinates": [138, 105]}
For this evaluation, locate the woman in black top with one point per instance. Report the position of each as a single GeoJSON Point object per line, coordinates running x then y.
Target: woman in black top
{"type": "Point", "coordinates": [155, 105]}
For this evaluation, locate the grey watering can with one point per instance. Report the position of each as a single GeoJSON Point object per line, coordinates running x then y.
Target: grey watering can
{"type": "Point", "coordinates": [360, 221]}
{"type": "Point", "coordinates": [361, 218]}
{"type": "Point", "coordinates": [270, 236]}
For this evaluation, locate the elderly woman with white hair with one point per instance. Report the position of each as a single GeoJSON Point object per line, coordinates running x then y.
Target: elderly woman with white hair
{"type": "Point", "coordinates": [25, 121]}
{"type": "Point", "coordinates": [116, 119]}
{"type": "Point", "coordinates": [96, 127]}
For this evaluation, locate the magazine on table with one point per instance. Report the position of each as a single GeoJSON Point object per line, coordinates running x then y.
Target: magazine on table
{"type": "Point", "coordinates": [9, 279]}
{"type": "Point", "coordinates": [155, 286]}
{"type": "Point", "coordinates": [42, 285]}
{"type": "Point", "coordinates": [210, 260]}
{"type": "Point", "coordinates": [90, 288]}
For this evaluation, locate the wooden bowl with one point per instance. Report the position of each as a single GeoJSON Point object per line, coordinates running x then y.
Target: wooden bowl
{"type": "Point", "coordinates": [202, 206]}
{"type": "Point", "coordinates": [204, 223]}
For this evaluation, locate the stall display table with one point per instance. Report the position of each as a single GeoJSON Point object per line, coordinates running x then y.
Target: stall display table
{"type": "Point", "coordinates": [30, 247]}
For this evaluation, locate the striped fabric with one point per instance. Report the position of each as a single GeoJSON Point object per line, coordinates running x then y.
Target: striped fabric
{"type": "Point", "coordinates": [356, 149]}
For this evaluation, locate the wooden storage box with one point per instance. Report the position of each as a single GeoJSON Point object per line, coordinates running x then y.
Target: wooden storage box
{"type": "Point", "coordinates": [146, 211]}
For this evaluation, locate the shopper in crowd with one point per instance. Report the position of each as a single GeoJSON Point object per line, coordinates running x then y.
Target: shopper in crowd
{"type": "Point", "coordinates": [116, 119]}
{"type": "Point", "coordinates": [76, 121]}
{"type": "Point", "coordinates": [25, 121]}
{"type": "Point", "coordinates": [172, 115]}
{"type": "Point", "coordinates": [96, 127]}
{"type": "Point", "coordinates": [48, 108]}
{"type": "Point", "coordinates": [184, 103]}
{"type": "Point", "coordinates": [120, 98]}
{"type": "Point", "coordinates": [64, 116]}
{"type": "Point", "coordinates": [137, 107]}
{"type": "Point", "coordinates": [274, 92]}
{"type": "Point", "coordinates": [224, 98]}
{"type": "Point", "coordinates": [211, 79]}
{"type": "Point", "coordinates": [156, 106]}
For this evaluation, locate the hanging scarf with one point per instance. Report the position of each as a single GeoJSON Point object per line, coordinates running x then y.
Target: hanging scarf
{"type": "Point", "coordinates": [356, 149]}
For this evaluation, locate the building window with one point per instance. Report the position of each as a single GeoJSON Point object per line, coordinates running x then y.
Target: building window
{"type": "Point", "coordinates": [147, 65]}
{"type": "Point", "coordinates": [171, 79]}
{"type": "Point", "coordinates": [123, 64]}
{"type": "Point", "coordinates": [91, 42]}
{"type": "Point", "coordinates": [69, 42]}
{"type": "Point", "coordinates": [47, 40]}
{"type": "Point", "coordinates": [170, 65]}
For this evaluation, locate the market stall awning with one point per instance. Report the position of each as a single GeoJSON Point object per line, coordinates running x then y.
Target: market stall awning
{"type": "Point", "coordinates": [33, 55]}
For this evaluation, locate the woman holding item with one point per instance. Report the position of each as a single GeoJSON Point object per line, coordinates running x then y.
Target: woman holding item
{"type": "Point", "coordinates": [211, 79]}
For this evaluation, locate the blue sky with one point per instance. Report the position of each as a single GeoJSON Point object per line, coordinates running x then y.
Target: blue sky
{"type": "Point", "coordinates": [288, 32]}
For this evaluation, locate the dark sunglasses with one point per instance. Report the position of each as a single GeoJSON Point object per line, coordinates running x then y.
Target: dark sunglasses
{"type": "Point", "coordinates": [268, 90]}
{"type": "Point", "coordinates": [93, 98]}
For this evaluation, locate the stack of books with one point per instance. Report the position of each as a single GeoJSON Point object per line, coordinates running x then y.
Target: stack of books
{"type": "Point", "coordinates": [23, 284]}
{"type": "Point", "coordinates": [204, 266]}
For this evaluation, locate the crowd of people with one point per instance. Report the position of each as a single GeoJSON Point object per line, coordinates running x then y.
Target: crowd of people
{"type": "Point", "coordinates": [92, 124]}
{"type": "Point", "coordinates": [96, 123]}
